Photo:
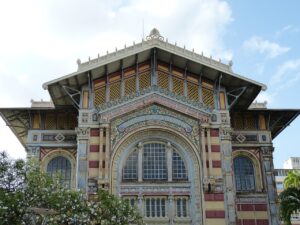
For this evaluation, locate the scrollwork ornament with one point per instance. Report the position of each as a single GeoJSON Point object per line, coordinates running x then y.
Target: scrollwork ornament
{"type": "Point", "coordinates": [225, 133]}
{"type": "Point", "coordinates": [83, 132]}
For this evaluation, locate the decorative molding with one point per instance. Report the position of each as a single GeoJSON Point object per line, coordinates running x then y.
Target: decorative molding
{"type": "Point", "coordinates": [154, 94]}
{"type": "Point", "coordinates": [82, 132]}
{"type": "Point", "coordinates": [157, 116]}
{"type": "Point", "coordinates": [225, 133]}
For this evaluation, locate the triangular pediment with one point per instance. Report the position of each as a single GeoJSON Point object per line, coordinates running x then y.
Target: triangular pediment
{"type": "Point", "coordinates": [112, 110]}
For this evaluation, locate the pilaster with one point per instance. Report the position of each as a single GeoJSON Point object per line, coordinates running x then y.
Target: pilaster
{"type": "Point", "coordinates": [229, 190]}
{"type": "Point", "coordinates": [268, 168]}
{"type": "Point", "coordinates": [81, 165]}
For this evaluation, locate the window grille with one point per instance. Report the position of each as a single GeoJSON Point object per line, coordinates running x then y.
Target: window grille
{"type": "Point", "coordinates": [154, 162]}
{"type": "Point", "coordinates": [130, 168]}
{"type": "Point", "coordinates": [144, 80]}
{"type": "Point", "coordinates": [155, 207]}
{"type": "Point", "coordinates": [179, 171]}
{"type": "Point", "coordinates": [238, 122]}
{"type": "Point", "coordinates": [99, 96]}
{"type": "Point", "coordinates": [178, 86]}
{"type": "Point", "coordinates": [61, 166]}
{"type": "Point", "coordinates": [50, 122]}
{"type": "Point", "coordinates": [115, 91]}
{"type": "Point", "coordinates": [250, 122]}
{"type": "Point", "coordinates": [192, 91]}
{"type": "Point", "coordinates": [244, 174]}
{"type": "Point", "coordinates": [208, 97]}
{"type": "Point", "coordinates": [129, 86]}
{"type": "Point", "coordinates": [181, 207]}
{"type": "Point", "coordinates": [163, 80]}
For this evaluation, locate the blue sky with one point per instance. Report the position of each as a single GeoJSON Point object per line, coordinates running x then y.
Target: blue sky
{"type": "Point", "coordinates": [41, 40]}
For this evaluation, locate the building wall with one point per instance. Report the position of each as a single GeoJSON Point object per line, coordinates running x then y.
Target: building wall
{"type": "Point", "coordinates": [113, 122]}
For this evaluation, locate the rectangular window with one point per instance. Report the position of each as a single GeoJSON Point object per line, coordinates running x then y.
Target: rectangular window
{"type": "Point", "coordinates": [154, 162]}
{"type": "Point", "coordinates": [155, 207]}
{"type": "Point", "coordinates": [182, 207]}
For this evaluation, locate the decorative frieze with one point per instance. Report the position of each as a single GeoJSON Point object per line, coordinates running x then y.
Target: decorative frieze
{"type": "Point", "coordinates": [157, 116]}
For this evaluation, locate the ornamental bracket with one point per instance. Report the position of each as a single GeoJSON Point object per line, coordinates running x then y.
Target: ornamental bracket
{"type": "Point", "coordinates": [72, 92]}
{"type": "Point", "coordinates": [234, 95]}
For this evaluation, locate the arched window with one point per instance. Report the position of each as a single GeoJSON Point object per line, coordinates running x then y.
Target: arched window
{"type": "Point", "coordinates": [62, 166]}
{"type": "Point", "coordinates": [130, 168]}
{"type": "Point", "coordinates": [154, 164]}
{"type": "Point", "coordinates": [244, 174]}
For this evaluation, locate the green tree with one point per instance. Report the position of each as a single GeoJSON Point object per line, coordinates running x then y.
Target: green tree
{"type": "Point", "coordinates": [292, 179]}
{"type": "Point", "coordinates": [290, 196]}
{"type": "Point", "coordinates": [30, 196]}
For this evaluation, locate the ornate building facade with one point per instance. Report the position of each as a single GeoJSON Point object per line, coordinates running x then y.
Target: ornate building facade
{"type": "Point", "coordinates": [164, 127]}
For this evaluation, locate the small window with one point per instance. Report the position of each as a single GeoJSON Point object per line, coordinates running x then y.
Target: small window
{"type": "Point", "coordinates": [181, 207]}
{"type": "Point", "coordinates": [155, 207]}
{"type": "Point", "coordinates": [244, 174]}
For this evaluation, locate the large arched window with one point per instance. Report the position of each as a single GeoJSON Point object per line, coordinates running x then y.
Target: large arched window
{"type": "Point", "coordinates": [156, 160]}
{"type": "Point", "coordinates": [244, 174]}
{"type": "Point", "coordinates": [62, 166]}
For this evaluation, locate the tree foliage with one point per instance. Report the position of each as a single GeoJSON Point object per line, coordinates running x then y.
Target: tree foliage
{"type": "Point", "coordinates": [290, 197]}
{"type": "Point", "coordinates": [30, 196]}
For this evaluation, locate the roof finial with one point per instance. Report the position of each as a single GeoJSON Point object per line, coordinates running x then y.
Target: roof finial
{"type": "Point", "coordinates": [154, 34]}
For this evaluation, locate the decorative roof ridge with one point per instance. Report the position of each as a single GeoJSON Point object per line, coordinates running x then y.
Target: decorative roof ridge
{"type": "Point", "coordinates": [154, 39]}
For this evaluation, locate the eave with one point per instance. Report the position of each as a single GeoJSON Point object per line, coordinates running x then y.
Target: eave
{"type": "Point", "coordinates": [166, 52]}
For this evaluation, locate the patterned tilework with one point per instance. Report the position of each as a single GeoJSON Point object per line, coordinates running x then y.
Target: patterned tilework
{"type": "Point", "coordinates": [214, 132]}
{"type": "Point", "coordinates": [214, 197]}
{"type": "Point", "coordinates": [94, 164]}
{"type": "Point", "coordinates": [94, 148]}
{"type": "Point", "coordinates": [253, 222]}
{"type": "Point", "coordinates": [252, 207]}
{"type": "Point", "coordinates": [94, 132]}
{"type": "Point", "coordinates": [215, 214]}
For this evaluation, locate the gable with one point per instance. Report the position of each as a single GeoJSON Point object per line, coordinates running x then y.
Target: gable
{"type": "Point", "coordinates": [154, 51]}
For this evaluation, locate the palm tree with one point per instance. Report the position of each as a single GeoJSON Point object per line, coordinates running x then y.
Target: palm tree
{"type": "Point", "coordinates": [292, 179]}
{"type": "Point", "coordinates": [290, 197]}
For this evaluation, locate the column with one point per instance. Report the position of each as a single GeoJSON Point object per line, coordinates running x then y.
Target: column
{"type": "Point", "coordinates": [100, 174]}
{"type": "Point", "coordinates": [203, 152]}
{"type": "Point", "coordinates": [209, 153]}
{"type": "Point", "coordinates": [169, 161]}
{"type": "Point", "coordinates": [229, 192]}
{"type": "Point", "coordinates": [107, 152]}
{"type": "Point", "coordinates": [140, 162]}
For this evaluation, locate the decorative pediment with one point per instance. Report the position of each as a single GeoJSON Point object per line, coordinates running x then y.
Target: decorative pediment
{"type": "Point", "coordinates": [156, 116]}
{"type": "Point", "coordinates": [154, 95]}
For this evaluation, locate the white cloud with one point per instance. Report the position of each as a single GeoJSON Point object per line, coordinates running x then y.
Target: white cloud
{"type": "Point", "coordinates": [287, 29]}
{"type": "Point", "coordinates": [271, 49]}
{"type": "Point", "coordinates": [41, 40]}
{"type": "Point", "coordinates": [287, 73]}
